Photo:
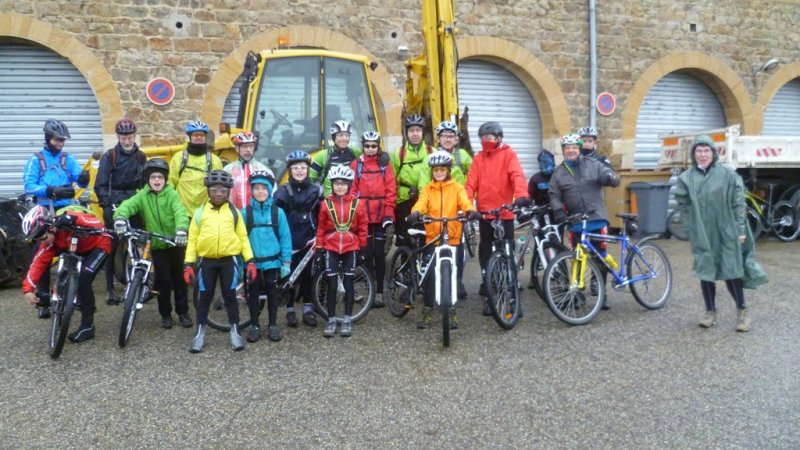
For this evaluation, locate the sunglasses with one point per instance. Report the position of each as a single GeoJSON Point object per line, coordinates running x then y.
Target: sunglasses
{"type": "Point", "coordinates": [370, 145]}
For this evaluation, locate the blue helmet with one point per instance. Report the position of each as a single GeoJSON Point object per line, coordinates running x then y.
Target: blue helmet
{"type": "Point", "coordinates": [296, 157]}
{"type": "Point", "coordinates": [196, 125]}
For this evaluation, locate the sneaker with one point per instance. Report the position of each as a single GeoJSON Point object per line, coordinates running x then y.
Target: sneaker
{"type": "Point", "coordinates": [199, 340]}
{"type": "Point", "coordinates": [44, 313]}
{"type": "Point", "coordinates": [487, 310]}
{"type": "Point", "coordinates": [185, 320]}
{"type": "Point", "coordinates": [709, 319]}
{"type": "Point", "coordinates": [309, 319]}
{"type": "Point", "coordinates": [425, 318]}
{"type": "Point", "coordinates": [113, 298]}
{"type": "Point", "coordinates": [255, 334]}
{"type": "Point", "coordinates": [291, 319]}
{"type": "Point", "coordinates": [347, 328]}
{"type": "Point", "coordinates": [237, 343]}
{"type": "Point", "coordinates": [743, 322]}
{"type": "Point", "coordinates": [461, 291]}
{"type": "Point", "coordinates": [83, 333]}
{"type": "Point", "coordinates": [167, 322]}
{"type": "Point", "coordinates": [453, 319]}
{"type": "Point", "coordinates": [330, 328]}
{"type": "Point", "coordinates": [274, 333]}
{"type": "Point", "coordinates": [378, 301]}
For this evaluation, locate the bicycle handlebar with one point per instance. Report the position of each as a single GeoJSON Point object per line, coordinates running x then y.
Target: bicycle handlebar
{"type": "Point", "coordinates": [137, 234]}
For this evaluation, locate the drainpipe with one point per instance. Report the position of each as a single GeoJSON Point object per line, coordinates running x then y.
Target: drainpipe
{"type": "Point", "coordinates": [592, 62]}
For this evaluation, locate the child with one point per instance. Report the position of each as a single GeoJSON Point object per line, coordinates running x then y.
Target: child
{"type": "Point", "coordinates": [217, 236]}
{"type": "Point", "coordinates": [160, 207]}
{"type": "Point", "coordinates": [442, 197]}
{"type": "Point", "coordinates": [342, 232]}
{"type": "Point", "coordinates": [271, 241]}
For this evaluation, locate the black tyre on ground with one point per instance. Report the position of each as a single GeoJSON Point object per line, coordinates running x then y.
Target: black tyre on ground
{"type": "Point", "coordinates": [364, 286]}
{"type": "Point", "coordinates": [132, 297]}
{"type": "Point", "coordinates": [574, 305]}
{"type": "Point", "coordinates": [445, 272]}
{"type": "Point", "coordinates": [398, 288]}
{"type": "Point", "coordinates": [550, 250]}
{"type": "Point", "coordinates": [218, 313]}
{"type": "Point", "coordinates": [62, 310]}
{"type": "Point", "coordinates": [784, 221]}
{"type": "Point", "coordinates": [501, 284]}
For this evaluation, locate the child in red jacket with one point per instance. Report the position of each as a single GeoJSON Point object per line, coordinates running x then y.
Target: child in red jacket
{"type": "Point", "coordinates": [341, 233]}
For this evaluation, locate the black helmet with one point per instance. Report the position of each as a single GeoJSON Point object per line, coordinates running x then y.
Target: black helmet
{"type": "Point", "coordinates": [156, 165]}
{"type": "Point", "coordinates": [218, 177]}
{"type": "Point", "coordinates": [56, 128]}
{"type": "Point", "coordinates": [125, 126]}
{"type": "Point", "coordinates": [490, 128]}
{"type": "Point", "coordinates": [414, 120]}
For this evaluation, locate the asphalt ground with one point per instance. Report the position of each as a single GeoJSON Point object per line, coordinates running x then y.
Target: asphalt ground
{"type": "Point", "coordinates": [630, 379]}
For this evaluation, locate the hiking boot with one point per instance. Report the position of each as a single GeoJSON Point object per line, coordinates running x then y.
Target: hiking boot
{"type": "Point", "coordinates": [44, 313]}
{"type": "Point", "coordinates": [487, 310]}
{"type": "Point", "coordinates": [274, 333]}
{"type": "Point", "coordinates": [379, 303]}
{"type": "Point", "coordinates": [743, 322]}
{"type": "Point", "coordinates": [185, 320]}
{"type": "Point", "coordinates": [237, 343]}
{"type": "Point", "coordinates": [255, 333]}
{"type": "Point", "coordinates": [309, 319]}
{"type": "Point", "coordinates": [167, 322]}
{"type": "Point", "coordinates": [113, 298]}
{"type": "Point", "coordinates": [347, 328]}
{"type": "Point", "coordinates": [425, 318]}
{"type": "Point", "coordinates": [461, 291]}
{"type": "Point", "coordinates": [605, 306]}
{"type": "Point", "coordinates": [291, 319]}
{"type": "Point", "coordinates": [593, 287]}
{"type": "Point", "coordinates": [482, 289]}
{"type": "Point", "coordinates": [199, 340]}
{"type": "Point", "coordinates": [330, 328]}
{"type": "Point", "coordinates": [83, 333]}
{"type": "Point", "coordinates": [709, 319]}
{"type": "Point", "coordinates": [453, 319]}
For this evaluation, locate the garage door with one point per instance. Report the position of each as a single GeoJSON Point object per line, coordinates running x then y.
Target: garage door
{"type": "Point", "coordinates": [35, 84]}
{"type": "Point", "coordinates": [678, 103]}
{"type": "Point", "coordinates": [782, 116]}
{"type": "Point", "coordinates": [494, 93]}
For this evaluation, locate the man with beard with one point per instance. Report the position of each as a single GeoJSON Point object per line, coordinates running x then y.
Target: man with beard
{"type": "Point", "coordinates": [188, 168]}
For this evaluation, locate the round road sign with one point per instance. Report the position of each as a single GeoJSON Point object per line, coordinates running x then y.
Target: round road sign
{"type": "Point", "coordinates": [160, 91]}
{"type": "Point", "coordinates": [606, 104]}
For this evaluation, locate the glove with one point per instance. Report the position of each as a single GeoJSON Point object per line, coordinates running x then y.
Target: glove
{"type": "Point", "coordinates": [188, 274]}
{"type": "Point", "coordinates": [180, 238]}
{"type": "Point", "coordinates": [60, 192]}
{"type": "Point", "coordinates": [319, 255]}
{"type": "Point", "coordinates": [64, 220]}
{"type": "Point", "coordinates": [413, 192]}
{"type": "Point", "coordinates": [522, 202]}
{"type": "Point", "coordinates": [473, 215]}
{"type": "Point", "coordinates": [252, 272]}
{"type": "Point", "coordinates": [559, 215]}
{"type": "Point", "coordinates": [120, 226]}
{"type": "Point", "coordinates": [83, 178]}
{"type": "Point", "coordinates": [414, 217]}
{"type": "Point", "coordinates": [362, 255]}
{"type": "Point", "coordinates": [286, 269]}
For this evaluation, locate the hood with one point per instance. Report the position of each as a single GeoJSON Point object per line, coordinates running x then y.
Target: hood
{"type": "Point", "coordinates": [547, 162]}
{"type": "Point", "coordinates": [266, 203]}
{"type": "Point", "coordinates": [707, 141]}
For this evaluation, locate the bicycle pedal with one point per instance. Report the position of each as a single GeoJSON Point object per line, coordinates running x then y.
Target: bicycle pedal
{"type": "Point", "coordinates": [139, 306]}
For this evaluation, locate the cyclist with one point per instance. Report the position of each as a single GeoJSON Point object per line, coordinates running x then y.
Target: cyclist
{"type": "Point", "coordinates": [495, 179]}
{"type": "Point", "coordinates": [119, 176]}
{"type": "Point", "coordinates": [160, 207]}
{"type": "Point", "coordinates": [299, 198]}
{"type": "Point", "coordinates": [341, 237]}
{"type": "Point", "coordinates": [442, 197]}
{"type": "Point", "coordinates": [55, 235]}
{"type": "Point", "coordinates": [576, 187]}
{"type": "Point", "coordinates": [243, 167]}
{"type": "Point", "coordinates": [188, 168]}
{"type": "Point", "coordinates": [341, 153]}
{"type": "Point", "coordinates": [407, 164]}
{"type": "Point", "coordinates": [49, 176]}
{"type": "Point", "coordinates": [216, 238]}
{"type": "Point", "coordinates": [539, 184]}
{"type": "Point", "coordinates": [374, 184]}
{"type": "Point", "coordinates": [589, 146]}
{"type": "Point", "coordinates": [271, 241]}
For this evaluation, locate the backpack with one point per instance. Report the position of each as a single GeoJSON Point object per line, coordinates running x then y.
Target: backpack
{"type": "Point", "coordinates": [185, 160]}
{"type": "Point", "coordinates": [342, 227]}
{"type": "Point", "coordinates": [382, 163]}
{"type": "Point", "coordinates": [403, 150]}
{"type": "Point", "coordinates": [140, 156]}
{"type": "Point", "coordinates": [328, 164]}
{"type": "Point", "coordinates": [198, 216]}
{"type": "Point", "coordinates": [43, 164]}
{"type": "Point", "coordinates": [249, 220]}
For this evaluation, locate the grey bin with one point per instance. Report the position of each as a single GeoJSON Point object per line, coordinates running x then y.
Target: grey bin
{"type": "Point", "coordinates": [651, 203]}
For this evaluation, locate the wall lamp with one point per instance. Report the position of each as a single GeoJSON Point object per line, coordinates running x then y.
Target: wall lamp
{"type": "Point", "coordinates": [767, 66]}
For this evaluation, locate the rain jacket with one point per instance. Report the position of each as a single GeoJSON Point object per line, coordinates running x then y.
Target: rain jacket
{"type": "Point", "coordinates": [462, 161]}
{"type": "Point", "coordinates": [347, 237]}
{"type": "Point", "coordinates": [325, 159]}
{"type": "Point", "coordinates": [714, 200]}
{"type": "Point", "coordinates": [162, 212]}
{"type": "Point", "coordinates": [375, 188]}
{"type": "Point", "coordinates": [36, 182]}
{"type": "Point", "coordinates": [496, 178]}
{"type": "Point", "coordinates": [119, 175]}
{"type": "Point", "coordinates": [240, 192]}
{"type": "Point", "coordinates": [581, 188]}
{"type": "Point", "coordinates": [407, 171]}
{"type": "Point", "coordinates": [216, 236]}
{"type": "Point", "coordinates": [443, 199]}
{"type": "Point", "coordinates": [272, 245]}
{"type": "Point", "coordinates": [300, 201]}
{"type": "Point", "coordinates": [190, 184]}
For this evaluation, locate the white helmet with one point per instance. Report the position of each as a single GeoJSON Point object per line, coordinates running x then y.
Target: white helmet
{"type": "Point", "coordinates": [340, 126]}
{"type": "Point", "coordinates": [446, 126]}
{"type": "Point", "coordinates": [440, 158]}
{"type": "Point", "coordinates": [588, 131]}
{"type": "Point", "coordinates": [341, 172]}
{"type": "Point", "coordinates": [571, 139]}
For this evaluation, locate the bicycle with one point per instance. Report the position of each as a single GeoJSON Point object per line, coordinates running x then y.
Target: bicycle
{"type": "Point", "coordinates": [649, 274]}
{"type": "Point", "coordinates": [138, 289]}
{"type": "Point", "coordinates": [547, 243]}
{"type": "Point", "coordinates": [409, 268]}
{"type": "Point", "coordinates": [364, 295]}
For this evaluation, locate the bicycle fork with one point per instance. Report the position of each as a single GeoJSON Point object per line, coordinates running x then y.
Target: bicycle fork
{"type": "Point", "coordinates": [446, 253]}
{"type": "Point", "coordinates": [578, 268]}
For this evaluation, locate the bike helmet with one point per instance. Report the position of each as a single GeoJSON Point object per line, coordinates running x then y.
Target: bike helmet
{"type": "Point", "coordinates": [340, 126]}
{"type": "Point", "coordinates": [218, 177]}
{"type": "Point", "coordinates": [155, 165]}
{"type": "Point", "coordinates": [414, 120]}
{"type": "Point", "coordinates": [440, 158]}
{"type": "Point", "coordinates": [296, 157]}
{"type": "Point", "coordinates": [56, 128]}
{"type": "Point", "coordinates": [588, 131]}
{"type": "Point", "coordinates": [571, 139]}
{"type": "Point", "coordinates": [446, 126]}
{"type": "Point", "coordinates": [245, 137]}
{"type": "Point", "coordinates": [36, 222]}
{"type": "Point", "coordinates": [125, 126]}
{"type": "Point", "coordinates": [371, 136]}
{"type": "Point", "coordinates": [490, 128]}
{"type": "Point", "coordinates": [196, 125]}
{"type": "Point", "coordinates": [262, 177]}
{"type": "Point", "coordinates": [341, 172]}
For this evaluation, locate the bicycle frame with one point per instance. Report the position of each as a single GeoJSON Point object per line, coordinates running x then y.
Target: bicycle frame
{"type": "Point", "coordinates": [537, 234]}
{"type": "Point", "coordinates": [621, 278]}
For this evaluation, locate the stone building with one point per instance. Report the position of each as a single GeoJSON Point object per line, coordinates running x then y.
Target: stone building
{"type": "Point", "coordinates": [671, 65]}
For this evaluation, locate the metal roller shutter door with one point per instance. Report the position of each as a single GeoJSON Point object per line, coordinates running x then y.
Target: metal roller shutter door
{"type": "Point", "coordinates": [677, 103]}
{"type": "Point", "coordinates": [782, 116]}
{"type": "Point", "coordinates": [495, 94]}
{"type": "Point", "coordinates": [36, 84]}
{"type": "Point", "coordinates": [230, 111]}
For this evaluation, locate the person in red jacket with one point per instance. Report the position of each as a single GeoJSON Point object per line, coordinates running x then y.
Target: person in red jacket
{"type": "Point", "coordinates": [341, 233]}
{"type": "Point", "coordinates": [55, 235]}
{"type": "Point", "coordinates": [375, 186]}
{"type": "Point", "coordinates": [495, 179]}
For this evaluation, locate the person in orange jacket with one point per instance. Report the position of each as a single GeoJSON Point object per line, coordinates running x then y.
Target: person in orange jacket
{"type": "Point", "coordinates": [341, 236]}
{"type": "Point", "coordinates": [442, 197]}
{"type": "Point", "coordinates": [495, 179]}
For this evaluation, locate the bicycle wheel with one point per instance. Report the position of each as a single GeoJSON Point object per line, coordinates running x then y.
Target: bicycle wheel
{"type": "Point", "coordinates": [62, 314]}
{"type": "Point", "coordinates": [470, 238]}
{"type": "Point", "coordinates": [570, 303]}
{"type": "Point", "coordinates": [502, 290]}
{"type": "Point", "coordinates": [364, 295]}
{"type": "Point", "coordinates": [651, 261]}
{"type": "Point", "coordinates": [676, 224]}
{"type": "Point", "coordinates": [754, 222]}
{"type": "Point", "coordinates": [550, 250]}
{"type": "Point", "coordinates": [132, 297]}
{"type": "Point", "coordinates": [398, 289]}
{"type": "Point", "coordinates": [218, 312]}
{"type": "Point", "coordinates": [783, 221]}
{"type": "Point", "coordinates": [445, 272]}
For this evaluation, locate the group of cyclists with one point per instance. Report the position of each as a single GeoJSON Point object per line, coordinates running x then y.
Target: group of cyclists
{"type": "Point", "coordinates": [347, 204]}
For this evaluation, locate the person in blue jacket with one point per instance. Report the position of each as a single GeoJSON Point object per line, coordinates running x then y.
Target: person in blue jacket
{"type": "Point", "coordinates": [271, 240]}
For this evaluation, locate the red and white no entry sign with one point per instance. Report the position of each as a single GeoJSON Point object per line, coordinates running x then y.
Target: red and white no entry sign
{"type": "Point", "coordinates": [160, 91]}
{"type": "Point", "coordinates": [606, 103]}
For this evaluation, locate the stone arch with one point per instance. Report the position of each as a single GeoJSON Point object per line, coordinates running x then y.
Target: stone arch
{"type": "Point", "coordinates": [306, 36]}
{"type": "Point", "coordinates": [543, 87]}
{"type": "Point", "coordinates": [771, 87]}
{"type": "Point", "coordinates": [81, 56]}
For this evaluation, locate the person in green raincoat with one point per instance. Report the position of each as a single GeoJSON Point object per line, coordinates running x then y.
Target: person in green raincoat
{"type": "Point", "coordinates": [722, 245]}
